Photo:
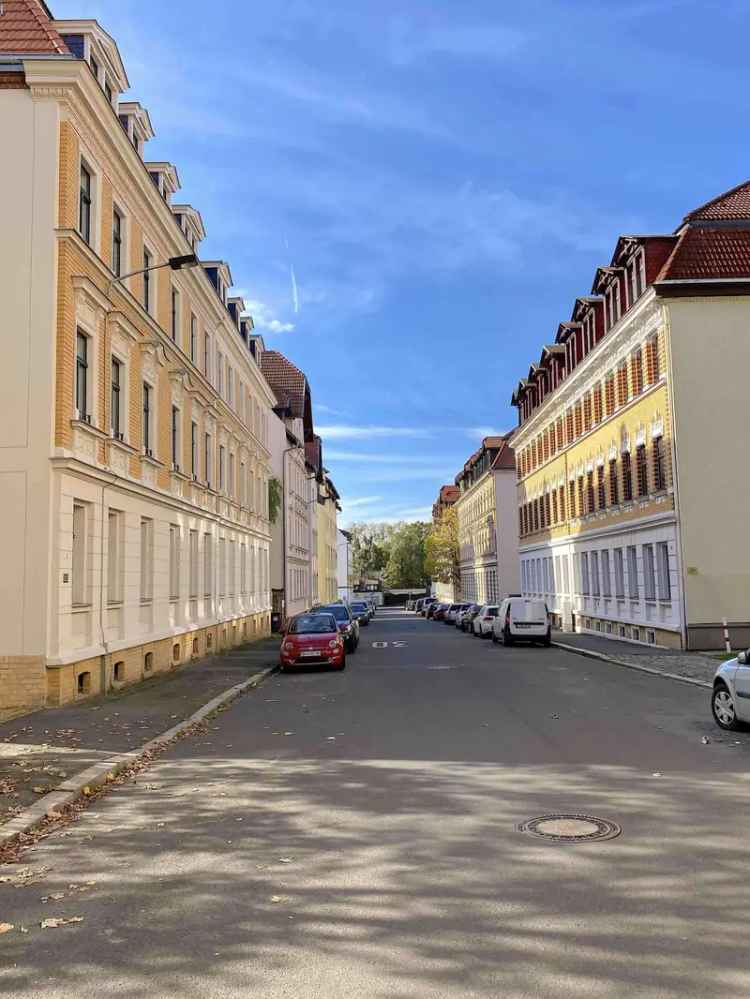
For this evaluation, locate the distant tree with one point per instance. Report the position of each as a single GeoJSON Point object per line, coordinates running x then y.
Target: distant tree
{"type": "Point", "coordinates": [369, 549]}
{"type": "Point", "coordinates": [406, 556]}
{"type": "Point", "coordinates": [442, 549]}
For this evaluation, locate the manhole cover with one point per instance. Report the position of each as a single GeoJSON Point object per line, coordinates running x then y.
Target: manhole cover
{"type": "Point", "coordinates": [563, 828]}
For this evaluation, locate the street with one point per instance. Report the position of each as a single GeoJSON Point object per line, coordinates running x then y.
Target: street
{"type": "Point", "coordinates": [355, 834]}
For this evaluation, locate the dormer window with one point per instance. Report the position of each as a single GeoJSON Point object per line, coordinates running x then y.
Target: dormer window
{"type": "Point", "coordinates": [637, 276]}
{"type": "Point", "coordinates": [94, 67]}
{"type": "Point", "coordinates": [108, 92]}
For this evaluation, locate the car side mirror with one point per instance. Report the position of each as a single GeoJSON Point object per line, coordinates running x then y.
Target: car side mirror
{"type": "Point", "coordinates": [743, 658]}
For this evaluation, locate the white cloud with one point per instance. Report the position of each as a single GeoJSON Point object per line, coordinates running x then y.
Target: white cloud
{"type": "Point", "coordinates": [481, 432]}
{"type": "Point", "coordinates": [328, 410]}
{"type": "Point", "coordinates": [265, 318]}
{"type": "Point", "coordinates": [343, 431]}
{"type": "Point", "coordinates": [362, 501]}
{"type": "Point", "coordinates": [378, 457]}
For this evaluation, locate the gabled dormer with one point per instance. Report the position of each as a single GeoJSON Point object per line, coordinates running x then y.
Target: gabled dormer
{"type": "Point", "coordinates": [220, 277]}
{"type": "Point", "coordinates": [190, 221]}
{"type": "Point", "coordinates": [137, 124]}
{"type": "Point", "coordinates": [87, 40]}
{"type": "Point", "coordinates": [246, 328]}
{"type": "Point", "coordinates": [553, 359]}
{"type": "Point", "coordinates": [257, 346]}
{"type": "Point", "coordinates": [641, 257]}
{"type": "Point", "coordinates": [609, 282]}
{"type": "Point", "coordinates": [588, 312]}
{"type": "Point", "coordinates": [165, 177]}
{"type": "Point", "coordinates": [236, 306]}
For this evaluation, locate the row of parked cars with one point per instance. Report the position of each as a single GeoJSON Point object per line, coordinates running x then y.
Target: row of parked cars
{"type": "Point", "coordinates": [515, 619]}
{"type": "Point", "coordinates": [324, 634]}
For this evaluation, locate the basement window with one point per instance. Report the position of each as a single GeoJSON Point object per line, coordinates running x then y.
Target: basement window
{"type": "Point", "coordinates": [119, 672]}
{"type": "Point", "coordinates": [176, 652]}
{"type": "Point", "coordinates": [148, 662]}
{"type": "Point", "coordinates": [84, 683]}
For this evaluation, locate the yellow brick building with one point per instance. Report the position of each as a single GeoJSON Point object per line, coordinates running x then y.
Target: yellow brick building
{"type": "Point", "coordinates": [327, 509]}
{"type": "Point", "coordinates": [631, 457]}
{"type": "Point", "coordinates": [134, 457]}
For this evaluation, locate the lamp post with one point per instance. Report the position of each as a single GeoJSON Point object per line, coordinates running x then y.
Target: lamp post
{"type": "Point", "coordinates": [174, 263]}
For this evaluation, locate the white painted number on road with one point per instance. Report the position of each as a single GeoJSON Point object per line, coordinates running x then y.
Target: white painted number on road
{"type": "Point", "coordinates": [394, 645]}
{"type": "Point", "coordinates": [380, 645]}
{"type": "Point", "coordinates": [399, 645]}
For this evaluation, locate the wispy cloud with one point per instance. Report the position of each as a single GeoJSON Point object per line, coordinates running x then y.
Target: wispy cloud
{"type": "Point", "coordinates": [321, 407]}
{"type": "Point", "coordinates": [362, 501]}
{"type": "Point", "coordinates": [342, 431]}
{"type": "Point", "coordinates": [265, 318]}
{"type": "Point", "coordinates": [378, 457]}
{"type": "Point", "coordinates": [481, 432]}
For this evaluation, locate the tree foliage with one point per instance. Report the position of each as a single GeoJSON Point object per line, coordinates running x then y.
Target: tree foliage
{"type": "Point", "coordinates": [274, 499]}
{"type": "Point", "coordinates": [442, 549]}
{"type": "Point", "coordinates": [393, 553]}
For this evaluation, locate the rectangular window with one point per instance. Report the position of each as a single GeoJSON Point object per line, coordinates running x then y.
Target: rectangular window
{"type": "Point", "coordinates": [590, 497]}
{"type": "Point", "coordinates": [585, 582]}
{"type": "Point", "coordinates": [174, 562]}
{"type": "Point", "coordinates": [84, 205]}
{"type": "Point", "coordinates": [665, 586]}
{"type": "Point", "coordinates": [652, 360]}
{"type": "Point", "coordinates": [82, 375]}
{"type": "Point", "coordinates": [222, 472]}
{"type": "Point", "coordinates": [208, 566]}
{"type": "Point", "coordinates": [207, 460]}
{"type": "Point", "coordinates": [636, 371]}
{"type": "Point", "coordinates": [194, 449]}
{"type": "Point", "coordinates": [641, 467]}
{"type": "Point", "coordinates": [79, 557]}
{"type": "Point", "coordinates": [147, 258]}
{"type": "Point", "coordinates": [193, 566]}
{"type": "Point", "coordinates": [606, 580]}
{"type": "Point", "coordinates": [627, 477]}
{"type": "Point", "coordinates": [658, 457]}
{"type": "Point", "coordinates": [147, 392]}
{"type": "Point", "coordinates": [230, 483]}
{"type": "Point", "coordinates": [94, 67]}
{"type": "Point", "coordinates": [230, 386]}
{"type": "Point", "coordinates": [232, 569]}
{"type": "Point", "coordinates": [175, 433]}
{"type": "Point", "coordinates": [572, 499]}
{"type": "Point", "coordinates": [581, 497]}
{"type": "Point", "coordinates": [632, 572]}
{"type": "Point", "coordinates": [114, 557]}
{"type": "Point", "coordinates": [116, 243]}
{"type": "Point", "coordinates": [222, 567]}
{"type": "Point", "coordinates": [614, 493]}
{"type": "Point", "coordinates": [622, 385]}
{"type": "Point", "coordinates": [595, 589]}
{"type": "Point", "coordinates": [609, 395]}
{"type": "Point", "coordinates": [600, 490]}
{"type": "Point", "coordinates": [243, 568]}
{"type": "Point", "coordinates": [207, 356]}
{"type": "Point", "coordinates": [193, 339]}
{"type": "Point", "coordinates": [147, 559]}
{"type": "Point", "coordinates": [175, 313]}
{"type": "Point", "coordinates": [619, 573]}
{"type": "Point", "coordinates": [649, 572]}
{"type": "Point", "coordinates": [115, 404]}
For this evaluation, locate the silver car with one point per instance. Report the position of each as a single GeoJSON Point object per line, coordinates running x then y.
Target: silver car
{"type": "Point", "coordinates": [730, 698]}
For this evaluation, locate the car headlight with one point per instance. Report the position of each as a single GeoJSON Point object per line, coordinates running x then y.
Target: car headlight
{"type": "Point", "coordinates": [335, 643]}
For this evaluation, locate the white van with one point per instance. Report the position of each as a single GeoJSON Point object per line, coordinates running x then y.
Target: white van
{"type": "Point", "coordinates": [522, 619]}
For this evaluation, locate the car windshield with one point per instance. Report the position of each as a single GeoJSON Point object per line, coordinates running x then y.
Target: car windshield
{"type": "Point", "coordinates": [358, 607]}
{"type": "Point", "coordinates": [338, 610]}
{"type": "Point", "coordinates": [312, 624]}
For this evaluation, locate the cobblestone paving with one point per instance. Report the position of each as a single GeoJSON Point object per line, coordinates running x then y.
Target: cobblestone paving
{"type": "Point", "coordinates": [692, 665]}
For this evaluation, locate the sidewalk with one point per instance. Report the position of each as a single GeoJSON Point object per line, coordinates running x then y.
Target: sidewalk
{"type": "Point", "coordinates": [696, 667]}
{"type": "Point", "coordinates": [42, 751]}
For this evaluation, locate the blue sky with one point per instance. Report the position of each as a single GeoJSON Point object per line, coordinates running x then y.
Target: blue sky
{"type": "Point", "coordinates": [412, 194]}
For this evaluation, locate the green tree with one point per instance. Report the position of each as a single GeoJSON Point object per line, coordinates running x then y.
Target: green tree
{"type": "Point", "coordinates": [406, 556]}
{"type": "Point", "coordinates": [442, 549]}
{"type": "Point", "coordinates": [369, 549]}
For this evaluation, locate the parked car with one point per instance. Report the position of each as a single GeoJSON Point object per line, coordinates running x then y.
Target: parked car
{"type": "Point", "coordinates": [347, 623]}
{"type": "Point", "coordinates": [426, 604]}
{"type": "Point", "coordinates": [482, 623]}
{"type": "Point", "coordinates": [730, 698]}
{"type": "Point", "coordinates": [438, 613]}
{"type": "Point", "coordinates": [431, 608]}
{"type": "Point", "coordinates": [311, 640]}
{"type": "Point", "coordinates": [521, 619]}
{"type": "Point", "coordinates": [453, 610]}
{"type": "Point", "coordinates": [466, 616]}
{"type": "Point", "coordinates": [361, 611]}
{"type": "Point", "coordinates": [370, 601]}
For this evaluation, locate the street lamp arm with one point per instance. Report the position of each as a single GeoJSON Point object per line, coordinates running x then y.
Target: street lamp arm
{"type": "Point", "coordinates": [175, 263]}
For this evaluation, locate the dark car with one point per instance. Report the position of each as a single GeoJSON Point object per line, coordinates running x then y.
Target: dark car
{"type": "Point", "coordinates": [431, 607]}
{"type": "Point", "coordinates": [311, 640]}
{"type": "Point", "coordinates": [361, 611]}
{"type": "Point", "coordinates": [347, 623]}
{"type": "Point", "coordinates": [440, 611]}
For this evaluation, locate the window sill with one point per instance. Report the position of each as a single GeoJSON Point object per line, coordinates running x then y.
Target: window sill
{"type": "Point", "coordinates": [146, 601]}
{"type": "Point", "coordinates": [91, 428]}
{"type": "Point", "coordinates": [80, 608]}
{"type": "Point", "coordinates": [151, 460]}
{"type": "Point", "coordinates": [114, 604]}
{"type": "Point", "coordinates": [116, 442]}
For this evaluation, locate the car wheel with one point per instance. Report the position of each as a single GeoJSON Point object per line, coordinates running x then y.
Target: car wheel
{"type": "Point", "coordinates": [547, 639]}
{"type": "Point", "coordinates": [507, 637]}
{"type": "Point", "coordinates": [343, 663]}
{"type": "Point", "coordinates": [494, 637]}
{"type": "Point", "coordinates": [722, 708]}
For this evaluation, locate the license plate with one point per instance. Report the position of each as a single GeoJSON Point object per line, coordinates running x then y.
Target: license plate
{"type": "Point", "coordinates": [310, 655]}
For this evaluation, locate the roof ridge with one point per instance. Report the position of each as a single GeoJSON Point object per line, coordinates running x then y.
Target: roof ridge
{"type": "Point", "coordinates": [695, 213]}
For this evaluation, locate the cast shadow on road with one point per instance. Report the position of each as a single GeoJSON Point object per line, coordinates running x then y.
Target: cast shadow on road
{"type": "Point", "coordinates": [408, 876]}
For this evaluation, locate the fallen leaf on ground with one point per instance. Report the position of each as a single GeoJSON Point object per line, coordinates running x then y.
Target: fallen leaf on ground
{"type": "Point", "coordinates": [52, 924]}
{"type": "Point", "coordinates": [280, 898]}
{"type": "Point", "coordinates": [39, 790]}
{"type": "Point", "coordinates": [286, 860]}
{"type": "Point", "coordinates": [6, 927]}
{"type": "Point", "coordinates": [54, 897]}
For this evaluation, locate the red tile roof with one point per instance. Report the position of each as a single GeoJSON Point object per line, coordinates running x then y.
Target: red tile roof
{"type": "Point", "coordinates": [314, 453]}
{"type": "Point", "coordinates": [506, 456]}
{"type": "Point", "coordinates": [287, 381]}
{"type": "Point", "coordinates": [733, 204]}
{"type": "Point", "coordinates": [25, 28]}
{"type": "Point", "coordinates": [449, 494]}
{"type": "Point", "coordinates": [709, 253]}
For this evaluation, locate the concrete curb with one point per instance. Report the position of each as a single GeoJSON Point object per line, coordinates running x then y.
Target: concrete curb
{"type": "Point", "coordinates": [590, 654]}
{"type": "Point", "coordinates": [99, 773]}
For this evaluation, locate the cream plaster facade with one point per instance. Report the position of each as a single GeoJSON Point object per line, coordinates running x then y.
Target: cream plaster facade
{"type": "Point", "coordinates": [131, 542]}
{"type": "Point", "coordinates": [326, 510]}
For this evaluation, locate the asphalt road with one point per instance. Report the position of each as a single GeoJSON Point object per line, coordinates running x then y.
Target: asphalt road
{"type": "Point", "coordinates": [355, 834]}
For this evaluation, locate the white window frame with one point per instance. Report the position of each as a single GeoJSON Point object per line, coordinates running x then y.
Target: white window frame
{"type": "Point", "coordinates": [80, 557]}
{"type": "Point", "coordinates": [115, 544]}
{"type": "Point", "coordinates": [147, 560]}
{"type": "Point", "coordinates": [175, 556]}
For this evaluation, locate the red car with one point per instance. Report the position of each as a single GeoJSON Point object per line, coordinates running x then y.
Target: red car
{"type": "Point", "coordinates": [311, 640]}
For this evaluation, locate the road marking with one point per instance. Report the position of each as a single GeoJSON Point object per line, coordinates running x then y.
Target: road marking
{"type": "Point", "coordinates": [394, 645]}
